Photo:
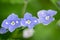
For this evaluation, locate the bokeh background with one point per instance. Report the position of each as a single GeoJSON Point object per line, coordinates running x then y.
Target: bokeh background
{"type": "Point", "coordinates": [42, 32]}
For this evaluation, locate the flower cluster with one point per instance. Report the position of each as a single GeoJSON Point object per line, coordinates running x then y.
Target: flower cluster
{"type": "Point", "coordinates": [12, 21]}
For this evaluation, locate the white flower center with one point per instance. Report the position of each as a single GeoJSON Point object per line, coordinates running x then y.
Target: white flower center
{"type": "Point", "coordinates": [28, 21]}
{"type": "Point", "coordinates": [35, 21]}
{"type": "Point", "coordinates": [47, 17]}
{"type": "Point", "coordinates": [16, 21]}
{"type": "Point", "coordinates": [12, 23]}
{"type": "Point", "coordinates": [6, 22]}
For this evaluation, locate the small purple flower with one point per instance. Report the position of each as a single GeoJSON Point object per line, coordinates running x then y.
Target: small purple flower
{"type": "Point", "coordinates": [3, 30]}
{"type": "Point", "coordinates": [46, 17]}
{"type": "Point", "coordinates": [29, 21]}
{"type": "Point", "coordinates": [11, 23]}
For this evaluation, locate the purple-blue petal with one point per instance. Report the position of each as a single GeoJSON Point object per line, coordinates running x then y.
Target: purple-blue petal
{"type": "Point", "coordinates": [42, 13]}
{"type": "Point", "coordinates": [4, 23]}
{"type": "Point", "coordinates": [11, 29]}
{"type": "Point", "coordinates": [31, 26]}
{"type": "Point", "coordinates": [12, 17]}
{"type": "Point", "coordinates": [23, 22]}
{"type": "Point", "coordinates": [3, 30]}
{"type": "Point", "coordinates": [27, 15]}
{"type": "Point", "coordinates": [46, 22]}
{"type": "Point", "coordinates": [52, 12]}
{"type": "Point", "coordinates": [34, 20]}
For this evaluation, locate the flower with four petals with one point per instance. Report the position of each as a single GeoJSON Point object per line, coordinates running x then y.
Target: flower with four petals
{"type": "Point", "coordinates": [11, 23]}
{"type": "Point", "coordinates": [46, 16]}
{"type": "Point", "coordinates": [29, 21]}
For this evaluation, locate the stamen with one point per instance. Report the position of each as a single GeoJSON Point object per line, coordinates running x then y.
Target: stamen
{"type": "Point", "coordinates": [28, 21]}
{"type": "Point", "coordinates": [47, 17]}
{"type": "Point", "coordinates": [12, 23]}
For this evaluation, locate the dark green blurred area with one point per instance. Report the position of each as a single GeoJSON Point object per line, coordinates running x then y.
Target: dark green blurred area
{"type": "Point", "coordinates": [50, 32]}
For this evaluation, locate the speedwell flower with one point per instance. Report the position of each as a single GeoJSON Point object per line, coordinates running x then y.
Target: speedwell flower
{"type": "Point", "coordinates": [46, 16]}
{"type": "Point", "coordinates": [29, 21]}
{"type": "Point", "coordinates": [11, 23]}
{"type": "Point", "coordinates": [3, 30]}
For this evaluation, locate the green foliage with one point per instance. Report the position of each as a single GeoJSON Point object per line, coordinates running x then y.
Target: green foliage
{"type": "Point", "coordinates": [14, 1]}
{"type": "Point", "coordinates": [55, 2]}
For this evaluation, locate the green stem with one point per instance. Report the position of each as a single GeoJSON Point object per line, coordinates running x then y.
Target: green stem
{"type": "Point", "coordinates": [25, 6]}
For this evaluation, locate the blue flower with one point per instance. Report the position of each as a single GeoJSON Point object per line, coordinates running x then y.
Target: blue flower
{"type": "Point", "coordinates": [11, 23]}
{"type": "Point", "coordinates": [29, 21]}
{"type": "Point", "coordinates": [3, 30]}
{"type": "Point", "coordinates": [46, 16]}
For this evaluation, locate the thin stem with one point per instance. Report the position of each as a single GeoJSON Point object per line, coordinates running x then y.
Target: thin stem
{"type": "Point", "coordinates": [25, 6]}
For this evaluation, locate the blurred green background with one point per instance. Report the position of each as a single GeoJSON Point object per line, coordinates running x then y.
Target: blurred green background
{"type": "Point", "coordinates": [49, 32]}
